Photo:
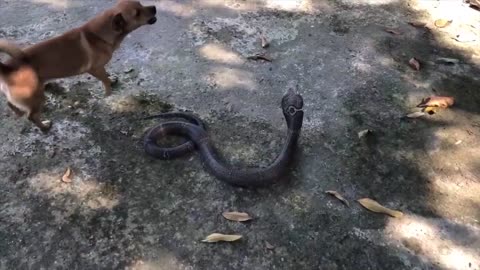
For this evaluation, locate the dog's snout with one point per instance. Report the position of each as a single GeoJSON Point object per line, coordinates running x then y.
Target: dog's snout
{"type": "Point", "coordinates": [152, 20]}
{"type": "Point", "coordinates": [152, 10]}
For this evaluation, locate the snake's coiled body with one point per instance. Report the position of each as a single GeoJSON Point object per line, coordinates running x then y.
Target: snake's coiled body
{"type": "Point", "coordinates": [197, 138]}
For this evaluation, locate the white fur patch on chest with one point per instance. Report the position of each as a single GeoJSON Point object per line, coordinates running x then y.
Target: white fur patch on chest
{"type": "Point", "coordinates": [3, 87]}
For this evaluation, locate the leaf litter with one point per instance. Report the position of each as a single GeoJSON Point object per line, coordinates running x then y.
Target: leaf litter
{"type": "Point", "coordinates": [374, 206]}
{"type": "Point", "coordinates": [218, 237]}
{"type": "Point", "coordinates": [237, 216]}
{"type": "Point", "coordinates": [67, 176]}
{"type": "Point", "coordinates": [338, 196]}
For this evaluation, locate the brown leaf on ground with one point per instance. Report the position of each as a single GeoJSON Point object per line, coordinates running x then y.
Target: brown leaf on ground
{"type": "Point", "coordinates": [374, 206]}
{"type": "Point", "coordinates": [441, 23]}
{"type": "Point", "coordinates": [364, 133]}
{"type": "Point", "coordinates": [393, 31]}
{"type": "Point", "coordinates": [446, 60]}
{"type": "Point", "coordinates": [338, 196]}
{"type": "Point", "coordinates": [66, 178]}
{"type": "Point", "coordinates": [236, 216]}
{"type": "Point", "coordinates": [437, 101]}
{"type": "Point", "coordinates": [413, 62]}
{"type": "Point", "coordinates": [417, 24]}
{"type": "Point", "coordinates": [218, 237]}
{"type": "Point", "coordinates": [415, 114]}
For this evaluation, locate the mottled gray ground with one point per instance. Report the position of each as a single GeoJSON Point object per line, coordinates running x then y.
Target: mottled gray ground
{"type": "Point", "coordinates": [125, 210]}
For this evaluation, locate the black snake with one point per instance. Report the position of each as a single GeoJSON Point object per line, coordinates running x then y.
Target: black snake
{"type": "Point", "coordinates": [193, 130]}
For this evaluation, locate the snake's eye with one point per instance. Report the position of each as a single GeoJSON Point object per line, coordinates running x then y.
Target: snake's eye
{"type": "Point", "coordinates": [291, 110]}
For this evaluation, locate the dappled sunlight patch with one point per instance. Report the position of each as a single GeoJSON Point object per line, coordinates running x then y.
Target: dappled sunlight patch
{"type": "Point", "coordinates": [448, 244]}
{"type": "Point", "coordinates": [84, 189]}
{"type": "Point", "coordinates": [57, 4]}
{"type": "Point", "coordinates": [453, 196]}
{"type": "Point", "coordinates": [231, 4]}
{"type": "Point", "coordinates": [175, 8]}
{"type": "Point", "coordinates": [228, 78]}
{"type": "Point", "coordinates": [369, 2]}
{"type": "Point", "coordinates": [290, 5]}
{"type": "Point", "coordinates": [242, 33]}
{"type": "Point", "coordinates": [123, 104]}
{"type": "Point", "coordinates": [163, 260]}
{"type": "Point", "coordinates": [464, 25]}
{"type": "Point", "coordinates": [220, 54]}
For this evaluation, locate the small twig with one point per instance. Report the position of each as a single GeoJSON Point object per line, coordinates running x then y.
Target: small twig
{"type": "Point", "coordinates": [265, 43]}
{"type": "Point", "coordinates": [259, 56]}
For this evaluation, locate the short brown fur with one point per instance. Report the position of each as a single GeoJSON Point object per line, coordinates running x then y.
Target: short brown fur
{"type": "Point", "coordinates": [86, 49]}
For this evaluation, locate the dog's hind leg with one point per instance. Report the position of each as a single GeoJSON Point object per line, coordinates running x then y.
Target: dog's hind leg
{"type": "Point", "coordinates": [16, 110]}
{"type": "Point", "coordinates": [34, 117]}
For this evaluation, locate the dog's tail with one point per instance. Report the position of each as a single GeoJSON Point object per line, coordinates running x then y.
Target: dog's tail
{"type": "Point", "coordinates": [12, 50]}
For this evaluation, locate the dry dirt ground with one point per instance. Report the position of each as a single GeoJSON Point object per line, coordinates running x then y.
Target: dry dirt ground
{"type": "Point", "coordinates": [124, 210]}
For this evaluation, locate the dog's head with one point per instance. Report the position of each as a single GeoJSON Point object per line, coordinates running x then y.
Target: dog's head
{"type": "Point", "coordinates": [130, 15]}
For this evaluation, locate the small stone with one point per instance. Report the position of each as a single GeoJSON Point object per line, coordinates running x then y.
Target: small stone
{"type": "Point", "coordinates": [229, 107]}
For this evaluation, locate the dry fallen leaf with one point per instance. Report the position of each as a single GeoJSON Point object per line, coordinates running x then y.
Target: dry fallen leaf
{"type": "Point", "coordinates": [415, 114]}
{"type": "Point", "coordinates": [259, 56]}
{"type": "Point", "coordinates": [218, 237]}
{"type": "Point", "coordinates": [446, 60]}
{"type": "Point", "coordinates": [392, 31]}
{"type": "Point", "coordinates": [268, 245]}
{"type": "Point", "coordinates": [338, 196]}
{"type": "Point", "coordinates": [378, 208]}
{"type": "Point", "coordinates": [441, 23]}
{"type": "Point", "coordinates": [364, 133]}
{"type": "Point", "coordinates": [458, 142]}
{"type": "Point", "coordinates": [413, 62]}
{"type": "Point", "coordinates": [236, 216]}
{"type": "Point", "coordinates": [474, 3]}
{"type": "Point", "coordinates": [430, 110]}
{"type": "Point", "coordinates": [417, 24]}
{"type": "Point", "coordinates": [437, 101]}
{"type": "Point", "coordinates": [66, 178]}
{"type": "Point", "coordinates": [265, 43]}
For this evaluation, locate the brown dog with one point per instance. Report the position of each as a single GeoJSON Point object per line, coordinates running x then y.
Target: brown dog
{"type": "Point", "coordinates": [86, 49]}
{"type": "Point", "coordinates": [21, 85]}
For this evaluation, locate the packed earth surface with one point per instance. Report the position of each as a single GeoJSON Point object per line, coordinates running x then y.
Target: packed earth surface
{"type": "Point", "coordinates": [348, 59]}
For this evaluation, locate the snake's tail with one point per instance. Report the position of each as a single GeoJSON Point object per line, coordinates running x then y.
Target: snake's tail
{"type": "Point", "coordinates": [183, 115]}
{"type": "Point", "coordinates": [152, 117]}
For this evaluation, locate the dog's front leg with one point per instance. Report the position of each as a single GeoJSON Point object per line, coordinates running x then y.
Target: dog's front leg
{"type": "Point", "coordinates": [34, 117]}
{"type": "Point", "coordinates": [101, 74]}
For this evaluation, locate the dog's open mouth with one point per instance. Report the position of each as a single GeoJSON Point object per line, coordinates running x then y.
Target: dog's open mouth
{"type": "Point", "coordinates": [152, 20]}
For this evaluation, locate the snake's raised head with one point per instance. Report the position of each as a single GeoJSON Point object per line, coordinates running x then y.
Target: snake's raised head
{"type": "Point", "coordinates": [292, 106]}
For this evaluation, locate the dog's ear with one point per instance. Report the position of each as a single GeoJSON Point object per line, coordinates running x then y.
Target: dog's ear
{"type": "Point", "coordinates": [119, 23]}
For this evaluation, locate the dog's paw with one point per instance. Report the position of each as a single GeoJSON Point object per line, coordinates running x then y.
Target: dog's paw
{"type": "Point", "coordinates": [114, 81]}
{"type": "Point", "coordinates": [46, 126]}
